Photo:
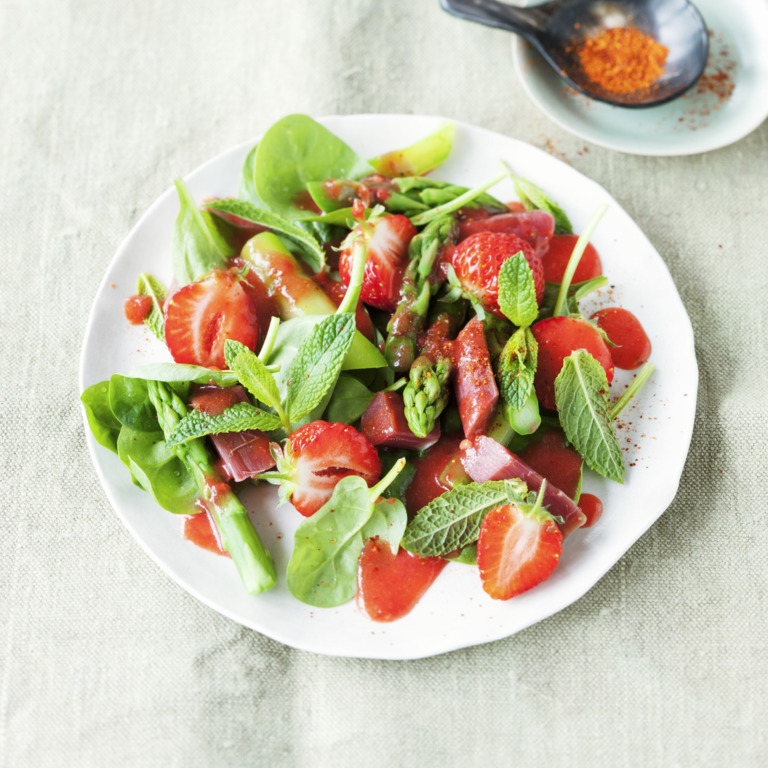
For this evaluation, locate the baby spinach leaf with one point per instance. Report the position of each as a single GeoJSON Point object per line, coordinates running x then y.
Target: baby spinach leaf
{"type": "Point", "coordinates": [197, 246]}
{"type": "Point", "coordinates": [317, 364]}
{"type": "Point", "coordinates": [179, 372]}
{"type": "Point", "coordinates": [309, 248]}
{"type": "Point", "coordinates": [155, 320]}
{"type": "Point", "coordinates": [247, 180]}
{"type": "Point", "coordinates": [387, 521]}
{"type": "Point", "coordinates": [156, 469]}
{"type": "Point", "coordinates": [452, 521]}
{"type": "Point", "coordinates": [130, 404]}
{"type": "Point", "coordinates": [322, 570]}
{"type": "Point", "coordinates": [517, 367]}
{"type": "Point", "coordinates": [104, 426]}
{"type": "Point", "coordinates": [295, 150]}
{"type": "Point", "coordinates": [237, 418]}
{"type": "Point", "coordinates": [517, 292]}
{"type": "Point", "coordinates": [534, 198]}
{"type": "Point", "coordinates": [583, 405]}
{"type": "Point", "coordinates": [349, 400]}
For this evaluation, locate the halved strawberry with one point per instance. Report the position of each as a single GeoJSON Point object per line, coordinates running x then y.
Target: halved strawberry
{"type": "Point", "coordinates": [316, 457]}
{"type": "Point", "coordinates": [202, 315]}
{"type": "Point", "coordinates": [478, 259]}
{"type": "Point", "coordinates": [387, 239]}
{"type": "Point", "coordinates": [519, 547]}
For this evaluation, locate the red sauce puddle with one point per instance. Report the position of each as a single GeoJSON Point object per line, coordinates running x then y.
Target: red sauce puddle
{"type": "Point", "coordinates": [200, 530]}
{"type": "Point", "coordinates": [389, 586]}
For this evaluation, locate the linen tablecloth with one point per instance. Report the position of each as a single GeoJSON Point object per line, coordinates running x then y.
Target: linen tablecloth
{"type": "Point", "coordinates": [104, 661]}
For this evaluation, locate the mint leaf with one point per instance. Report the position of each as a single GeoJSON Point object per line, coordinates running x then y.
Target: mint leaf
{"type": "Point", "coordinates": [251, 373]}
{"type": "Point", "coordinates": [237, 418]}
{"type": "Point", "coordinates": [317, 364]}
{"type": "Point", "coordinates": [581, 395]}
{"type": "Point", "coordinates": [197, 246]}
{"type": "Point", "coordinates": [155, 320]}
{"type": "Point", "coordinates": [452, 521]}
{"type": "Point", "coordinates": [517, 367]}
{"type": "Point", "coordinates": [310, 249]}
{"type": "Point", "coordinates": [322, 570]}
{"type": "Point", "coordinates": [517, 292]}
{"type": "Point", "coordinates": [534, 198]}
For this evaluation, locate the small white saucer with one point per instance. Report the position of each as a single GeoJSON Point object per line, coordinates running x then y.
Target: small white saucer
{"type": "Point", "coordinates": [729, 101]}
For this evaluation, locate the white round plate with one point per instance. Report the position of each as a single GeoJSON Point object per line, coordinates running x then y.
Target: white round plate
{"type": "Point", "coordinates": [698, 121]}
{"type": "Point", "coordinates": [455, 612]}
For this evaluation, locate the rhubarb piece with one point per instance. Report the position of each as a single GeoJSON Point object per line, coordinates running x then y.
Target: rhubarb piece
{"type": "Point", "coordinates": [243, 454]}
{"type": "Point", "coordinates": [385, 425]}
{"type": "Point", "coordinates": [535, 227]}
{"type": "Point", "coordinates": [484, 459]}
{"type": "Point", "coordinates": [476, 390]}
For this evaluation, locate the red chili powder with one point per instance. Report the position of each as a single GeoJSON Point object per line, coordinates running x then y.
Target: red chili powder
{"type": "Point", "coordinates": [622, 59]}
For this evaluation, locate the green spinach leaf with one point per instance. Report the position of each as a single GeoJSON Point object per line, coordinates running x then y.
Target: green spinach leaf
{"type": "Point", "coordinates": [197, 247]}
{"type": "Point", "coordinates": [104, 426]}
{"type": "Point", "coordinates": [295, 150]}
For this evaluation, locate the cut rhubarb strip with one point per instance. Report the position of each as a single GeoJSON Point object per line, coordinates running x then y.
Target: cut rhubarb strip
{"type": "Point", "coordinates": [484, 459]}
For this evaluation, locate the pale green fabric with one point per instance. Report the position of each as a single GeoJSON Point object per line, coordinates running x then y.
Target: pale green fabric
{"type": "Point", "coordinates": [106, 662]}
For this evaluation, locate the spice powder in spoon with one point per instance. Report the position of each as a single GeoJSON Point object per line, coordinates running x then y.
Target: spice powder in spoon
{"type": "Point", "coordinates": [622, 59]}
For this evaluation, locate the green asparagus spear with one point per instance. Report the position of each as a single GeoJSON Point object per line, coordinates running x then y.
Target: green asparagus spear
{"type": "Point", "coordinates": [431, 193]}
{"type": "Point", "coordinates": [426, 393]}
{"type": "Point", "coordinates": [419, 284]}
{"type": "Point", "coordinates": [238, 536]}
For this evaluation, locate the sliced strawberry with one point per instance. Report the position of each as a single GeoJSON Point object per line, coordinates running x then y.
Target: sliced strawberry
{"type": "Point", "coordinates": [478, 259]}
{"type": "Point", "coordinates": [557, 338]}
{"type": "Point", "coordinates": [519, 547]}
{"type": "Point", "coordinates": [317, 456]}
{"type": "Point", "coordinates": [387, 239]}
{"type": "Point", "coordinates": [201, 316]}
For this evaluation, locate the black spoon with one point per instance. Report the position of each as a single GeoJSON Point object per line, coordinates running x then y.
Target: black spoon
{"type": "Point", "coordinates": [554, 27]}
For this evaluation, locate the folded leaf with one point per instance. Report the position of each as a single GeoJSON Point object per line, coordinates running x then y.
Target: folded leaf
{"type": "Point", "coordinates": [237, 418]}
{"type": "Point", "coordinates": [581, 395]}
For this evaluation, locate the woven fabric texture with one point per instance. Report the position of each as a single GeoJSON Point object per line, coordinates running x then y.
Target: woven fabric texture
{"type": "Point", "coordinates": [106, 662]}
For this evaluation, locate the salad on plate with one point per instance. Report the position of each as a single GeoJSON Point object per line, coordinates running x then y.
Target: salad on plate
{"type": "Point", "coordinates": [404, 358]}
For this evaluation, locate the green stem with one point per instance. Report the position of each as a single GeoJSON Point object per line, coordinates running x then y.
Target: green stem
{"type": "Point", "coordinates": [349, 302]}
{"type": "Point", "coordinates": [395, 386]}
{"type": "Point", "coordinates": [284, 419]}
{"type": "Point", "coordinates": [387, 480]}
{"type": "Point", "coordinates": [424, 218]}
{"type": "Point", "coordinates": [632, 389]}
{"type": "Point", "coordinates": [238, 536]}
{"type": "Point", "coordinates": [540, 497]}
{"type": "Point", "coordinates": [561, 305]}
{"type": "Point", "coordinates": [269, 340]}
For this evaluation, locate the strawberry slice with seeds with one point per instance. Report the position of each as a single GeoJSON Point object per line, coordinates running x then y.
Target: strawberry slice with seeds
{"type": "Point", "coordinates": [202, 315]}
{"type": "Point", "coordinates": [477, 262]}
{"type": "Point", "coordinates": [519, 547]}
{"type": "Point", "coordinates": [316, 457]}
{"type": "Point", "coordinates": [387, 239]}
